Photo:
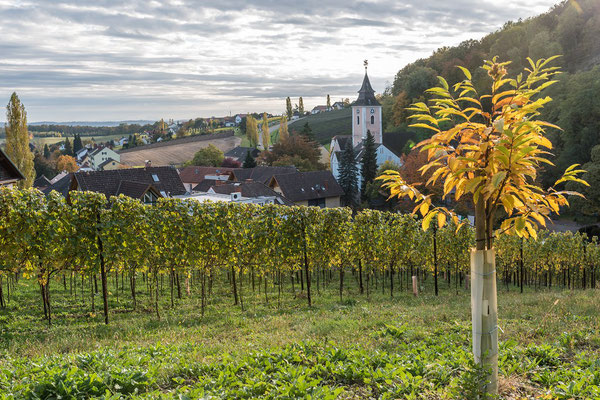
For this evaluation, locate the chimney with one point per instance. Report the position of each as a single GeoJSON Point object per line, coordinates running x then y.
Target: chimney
{"type": "Point", "coordinates": [248, 181]}
{"type": "Point", "coordinates": [148, 164]}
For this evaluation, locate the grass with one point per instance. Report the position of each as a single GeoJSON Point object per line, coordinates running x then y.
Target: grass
{"type": "Point", "coordinates": [326, 125]}
{"type": "Point", "coordinates": [375, 347]}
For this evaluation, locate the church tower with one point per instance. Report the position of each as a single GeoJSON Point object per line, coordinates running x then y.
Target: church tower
{"type": "Point", "coordinates": [366, 113]}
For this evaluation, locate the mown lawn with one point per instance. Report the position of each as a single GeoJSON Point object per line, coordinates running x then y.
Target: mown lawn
{"type": "Point", "coordinates": [375, 347]}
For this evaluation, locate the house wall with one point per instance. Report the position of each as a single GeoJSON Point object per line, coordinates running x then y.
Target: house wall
{"type": "Point", "coordinates": [111, 166]}
{"type": "Point", "coordinates": [332, 202]}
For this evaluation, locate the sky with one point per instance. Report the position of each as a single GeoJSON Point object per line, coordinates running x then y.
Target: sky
{"type": "Point", "coordinates": [108, 60]}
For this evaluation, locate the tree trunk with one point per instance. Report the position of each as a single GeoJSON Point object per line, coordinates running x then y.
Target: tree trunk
{"type": "Point", "coordinates": [484, 300]}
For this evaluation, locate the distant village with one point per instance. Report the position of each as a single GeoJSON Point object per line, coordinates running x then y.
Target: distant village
{"type": "Point", "coordinates": [242, 175]}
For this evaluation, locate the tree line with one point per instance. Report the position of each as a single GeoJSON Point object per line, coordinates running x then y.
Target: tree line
{"type": "Point", "coordinates": [89, 240]}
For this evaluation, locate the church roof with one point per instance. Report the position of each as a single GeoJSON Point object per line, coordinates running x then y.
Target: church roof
{"type": "Point", "coordinates": [366, 94]}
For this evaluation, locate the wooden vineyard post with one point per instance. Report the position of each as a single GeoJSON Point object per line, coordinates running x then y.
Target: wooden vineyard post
{"type": "Point", "coordinates": [467, 281]}
{"type": "Point", "coordinates": [484, 313]}
{"type": "Point", "coordinates": [415, 287]}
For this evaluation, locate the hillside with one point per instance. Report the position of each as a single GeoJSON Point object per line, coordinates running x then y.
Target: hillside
{"type": "Point", "coordinates": [326, 125]}
{"type": "Point", "coordinates": [176, 151]}
{"type": "Point", "coordinates": [570, 29]}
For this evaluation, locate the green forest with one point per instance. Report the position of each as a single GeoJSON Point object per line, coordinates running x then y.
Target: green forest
{"type": "Point", "coordinates": [570, 29]}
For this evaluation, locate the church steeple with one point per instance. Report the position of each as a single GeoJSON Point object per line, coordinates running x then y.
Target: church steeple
{"type": "Point", "coordinates": [366, 113]}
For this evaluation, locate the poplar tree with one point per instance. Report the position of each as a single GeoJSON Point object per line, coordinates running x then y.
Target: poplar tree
{"type": "Point", "coordinates": [17, 141]}
{"type": "Point", "coordinates": [283, 129]}
{"type": "Point", "coordinates": [252, 131]}
{"type": "Point", "coordinates": [288, 108]}
{"type": "Point", "coordinates": [347, 177]}
{"type": "Point", "coordinates": [328, 103]}
{"type": "Point", "coordinates": [368, 162]}
{"type": "Point", "coordinates": [266, 136]}
{"type": "Point", "coordinates": [301, 106]}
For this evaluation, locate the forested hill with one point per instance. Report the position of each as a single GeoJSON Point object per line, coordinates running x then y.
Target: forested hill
{"type": "Point", "coordinates": [571, 29]}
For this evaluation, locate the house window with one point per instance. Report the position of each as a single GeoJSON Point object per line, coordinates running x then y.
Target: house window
{"type": "Point", "coordinates": [357, 120]}
{"type": "Point", "coordinates": [372, 120]}
{"type": "Point", "coordinates": [155, 177]}
{"type": "Point", "coordinates": [149, 198]}
{"type": "Point", "coordinates": [317, 203]}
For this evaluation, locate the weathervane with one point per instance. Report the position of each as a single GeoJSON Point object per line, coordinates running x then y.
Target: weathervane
{"type": "Point", "coordinates": [366, 64]}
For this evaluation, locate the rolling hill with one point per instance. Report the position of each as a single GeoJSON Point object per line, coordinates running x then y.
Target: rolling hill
{"type": "Point", "coordinates": [326, 125]}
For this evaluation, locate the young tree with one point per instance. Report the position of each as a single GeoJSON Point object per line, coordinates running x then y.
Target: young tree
{"type": "Point", "coordinates": [66, 163]}
{"type": "Point", "coordinates": [68, 148]}
{"type": "Point", "coordinates": [283, 128]}
{"type": "Point", "coordinates": [288, 108]}
{"type": "Point", "coordinates": [301, 106]}
{"type": "Point", "coordinates": [209, 156]}
{"type": "Point", "coordinates": [249, 161]}
{"type": "Point", "coordinates": [368, 169]}
{"type": "Point", "coordinates": [328, 103]}
{"type": "Point", "coordinates": [266, 135]}
{"type": "Point", "coordinates": [490, 153]}
{"type": "Point", "coordinates": [229, 162]}
{"type": "Point", "coordinates": [348, 176]}
{"type": "Point", "coordinates": [17, 141]}
{"type": "Point", "coordinates": [295, 150]}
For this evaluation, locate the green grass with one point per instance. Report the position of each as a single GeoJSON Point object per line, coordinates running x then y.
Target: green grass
{"type": "Point", "coordinates": [50, 140]}
{"type": "Point", "coordinates": [326, 125]}
{"type": "Point", "coordinates": [375, 347]}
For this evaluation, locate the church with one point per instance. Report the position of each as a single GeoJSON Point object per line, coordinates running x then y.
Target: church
{"type": "Point", "coordinates": [366, 116]}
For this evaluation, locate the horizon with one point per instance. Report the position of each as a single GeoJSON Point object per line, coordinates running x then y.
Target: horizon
{"type": "Point", "coordinates": [85, 62]}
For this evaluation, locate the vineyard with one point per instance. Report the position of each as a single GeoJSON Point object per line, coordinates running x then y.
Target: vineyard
{"type": "Point", "coordinates": [188, 246]}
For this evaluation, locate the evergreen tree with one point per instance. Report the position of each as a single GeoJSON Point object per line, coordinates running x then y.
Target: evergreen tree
{"type": "Point", "coordinates": [77, 144]}
{"type": "Point", "coordinates": [46, 151]}
{"type": "Point", "coordinates": [283, 129]}
{"type": "Point", "coordinates": [307, 131]}
{"type": "Point", "coordinates": [249, 162]}
{"type": "Point", "coordinates": [68, 148]}
{"type": "Point", "coordinates": [328, 103]}
{"type": "Point", "coordinates": [348, 176]}
{"type": "Point", "coordinates": [368, 162]}
{"type": "Point", "coordinates": [288, 108]}
{"type": "Point", "coordinates": [266, 135]}
{"type": "Point", "coordinates": [17, 141]}
{"type": "Point", "coordinates": [301, 106]}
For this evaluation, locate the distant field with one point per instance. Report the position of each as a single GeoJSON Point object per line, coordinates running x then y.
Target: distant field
{"type": "Point", "coordinates": [176, 152]}
{"type": "Point", "coordinates": [41, 141]}
{"type": "Point", "coordinates": [326, 125]}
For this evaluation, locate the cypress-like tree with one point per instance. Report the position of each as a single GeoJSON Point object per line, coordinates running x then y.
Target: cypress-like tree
{"type": "Point", "coordinates": [283, 129]}
{"type": "Point", "coordinates": [17, 141]}
{"type": "Point", "coordinates": [46, 151]}
{"type": "Point", "coordinates": [252, 131]}
{"type": "Point", "coordinates": [249, 162]}
{"type": "Point", "coordinates": [266, 135]}
{"type": "Point", "coordinates": [77, 143]}
{"type": "Point", "coordinates": [368, 162]}
{"type": "Point", "coordinates": [288, 108]}
{"type": "Point", "coordinates": [68, 148]}
{"type": "Point", "coordinates": [348, 176]}
{"type": "Point", "coordinates": [301, 106]}
{"type": "Point", "coordinates": [328, 103]}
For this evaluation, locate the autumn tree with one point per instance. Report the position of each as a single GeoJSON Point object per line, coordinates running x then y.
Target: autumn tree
{"type": "Point", "coordinates": [288, 108]}
{"type": "Point", "coordinates": [328, 103]}
{"type": "Point", "coordinates": [252, 130]}
{"type": "Point", "coordinates": [301, 106]}
{"type": "Point", "coordinates": [368, 168]}
{"type": "Point", "coordinates": [488, 148]}
{"type": "Point", "coordinates": [295, 150]}
{"type": "Point", "coordinates": [283, 128]}
{"type": "Point", "coordinates": [266, 135]}
{"type": "Point", "coordinates": [17, 141]}
{"type": "Point", "coordinates": [66, 163]}
{"type": "Point", "coordinates": [209, 156]}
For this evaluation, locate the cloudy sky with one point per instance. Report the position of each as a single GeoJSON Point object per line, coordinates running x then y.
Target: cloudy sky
{"type": "Point", "coordinates": [142, 59]}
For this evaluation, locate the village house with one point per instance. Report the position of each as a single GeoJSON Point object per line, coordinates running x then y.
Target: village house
{"type": "Point", "coordinates": [315, 188]}
{"type": "Point", "coordinates": [319, 109]}
{"type": "Point", "coordinates": [239, 153]}
{"type": "Point", "coordinates": [9, 173]}
{"type": "Point", "coordinates": [99, 156]}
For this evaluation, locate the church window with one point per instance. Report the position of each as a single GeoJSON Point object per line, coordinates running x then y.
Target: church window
{"type": "Point", "coordinates": [357, 120]}
{"type": "Point", "coordinates": [372, 120]}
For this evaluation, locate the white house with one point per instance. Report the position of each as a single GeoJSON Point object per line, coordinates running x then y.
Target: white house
{"type": "Point", "coordinates": [100, 155]}
{"type": "Point", "coordinates": [366, 117]}
{"type": "Point", "coordinates": [238, 118]}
